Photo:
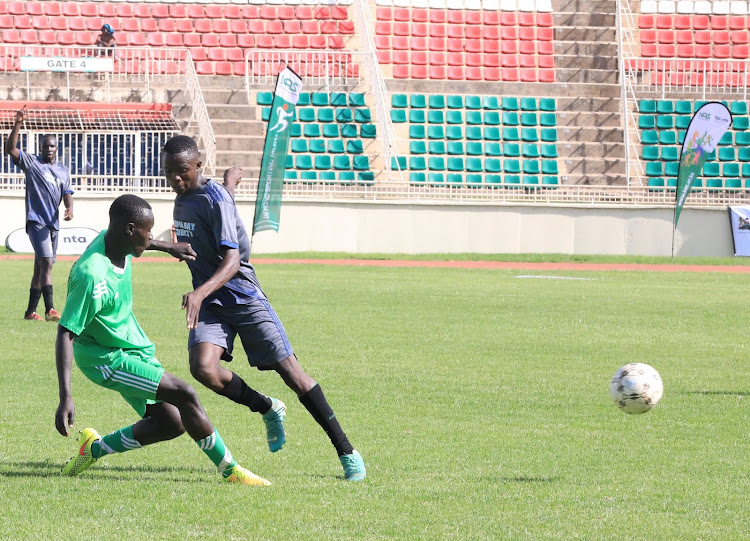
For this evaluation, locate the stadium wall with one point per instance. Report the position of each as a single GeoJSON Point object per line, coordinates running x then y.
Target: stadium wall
{"type": "Point", "coordinates": [411, 228]}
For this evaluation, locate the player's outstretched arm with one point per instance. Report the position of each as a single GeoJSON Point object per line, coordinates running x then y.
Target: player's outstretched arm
{"type": "Point", "coordinates": [11, 144]}
{"type": "Point", "coordinates": [181, 250]}
{"type": "Point", "coordinates": [232, 177]}
{"type": "Point", "coordinates": [66, 410]}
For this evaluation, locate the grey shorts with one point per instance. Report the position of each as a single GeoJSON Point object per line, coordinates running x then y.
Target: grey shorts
{"type": "Point", "coordinates": [43, 239]}
{"type": "Point", "coordinates": [259, 328]}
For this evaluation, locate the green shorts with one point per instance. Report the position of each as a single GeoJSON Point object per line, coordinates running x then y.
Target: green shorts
{"type": "Point", "coordinates": [129, 372]}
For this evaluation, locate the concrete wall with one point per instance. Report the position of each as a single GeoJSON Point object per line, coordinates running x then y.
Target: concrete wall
{"type": "Point", "coordinates": [396, 227]}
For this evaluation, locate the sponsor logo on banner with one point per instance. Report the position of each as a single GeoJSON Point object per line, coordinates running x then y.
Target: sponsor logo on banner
{"type": "Point", "coordinates": [70, 240]}
{"type": "Point", "coordinates": [739, 220]}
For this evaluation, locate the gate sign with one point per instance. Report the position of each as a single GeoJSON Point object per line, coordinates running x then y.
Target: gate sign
{"type": "Point", "coordinates": [70, 240]}
{"type": "Point", "coordinates": [63, 63]}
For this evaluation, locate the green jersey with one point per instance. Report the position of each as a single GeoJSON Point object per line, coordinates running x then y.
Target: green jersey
{"type": "Point", "coordinates": [99, 309]}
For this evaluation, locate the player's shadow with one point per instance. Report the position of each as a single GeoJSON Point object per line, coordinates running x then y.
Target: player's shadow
{"type": "Point", "coordinates": [720, 393]}
{"type": "Point", "coordinates": [51, 469]}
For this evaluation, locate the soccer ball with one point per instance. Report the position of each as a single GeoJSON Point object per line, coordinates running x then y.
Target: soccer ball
{"type": "Point", "coordinates": [636, 388]}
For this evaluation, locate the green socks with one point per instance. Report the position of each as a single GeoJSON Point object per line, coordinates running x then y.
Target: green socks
{"type": "Point", "coordinates": [118, 441]}
{"type": "Point", "coordinates": [214, 447]}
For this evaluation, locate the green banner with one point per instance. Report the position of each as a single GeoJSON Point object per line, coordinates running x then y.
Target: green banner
{"type": "Point", "coordinates": [273, 164]}
{"type": "Point", "coordinates": [708, 126]}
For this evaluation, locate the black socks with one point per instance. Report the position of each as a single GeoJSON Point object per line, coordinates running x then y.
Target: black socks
{"type": "Point", "coordinates": [238, 391]}
{"type": "Point", "coordinates": [315, 402]}
{"type": "Point", "coordinates": [34, 296]}
{"type": "Point", "coordinates": [48, 302]}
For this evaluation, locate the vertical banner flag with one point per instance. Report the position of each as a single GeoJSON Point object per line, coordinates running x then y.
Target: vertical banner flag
{"type": "Point", "coordinates": [273, 164]}
{"type": "Point", "coordinates": [708, 126]}
{"type": "Point", "coordinates": [739, 220]}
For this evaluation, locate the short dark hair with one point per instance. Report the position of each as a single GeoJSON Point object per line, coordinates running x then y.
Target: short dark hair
{"type": "Point", "coordinates": [181, 144]}
{"type": "Point", "coordinates": [129, 208]}
{"type": "Point", "coordinates": [49, 136]}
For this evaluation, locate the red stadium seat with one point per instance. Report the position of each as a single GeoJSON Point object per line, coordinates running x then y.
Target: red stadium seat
{"type": "Point", "coordinates": [473, 59]}
{"type": "Point", "coordinates": [216, 54]}
{"type": "Point", "coordinates": [124, 10]}
{"type": "Point", "coordinates": [667, 50]}
{"type": "Point", "coordinates": [527, 33]}
{"type": "Point", "coordinates": [34, 8]}
{"type": "Point", "coordinates": [418, 72]}
{"type": "Point", "coordinates": [47, 37]}
{"type": "Point", "coordinates": [455, 59]}
{"type": "Point", "coordinates": [701, 22]}
{"type": "Point", "coordinates": [509, 47]}
{"type": "Point", "coordinates": [71, 9]}
{"type": "Point", "coordinates": [274, 27]}
{"type": "Point", "coordinates": [648, 50]}
{"type": "Point", "coordinates": [545, 47]}
{"type": "Point", "coordinates": [166, 25]}
{"type": "Point", "coordinates": [419, 57]}
{"type": "Point", "coordinates": [544, 19]}
{"type": "Point", "coordinates": [437, 44]}
{"type": "Point", "coordinates": [203, 26]}
{"type": "Point", "coordinates": [545, 34]}
{"type": "Point", "coordinates": [234, 12]}
{"type": "Point", "coordinates": [89, 10]}
{"type": "Point", "coordinates": [419, 43]}
{"type": "Point", "coordinates": [401, 71]}
{"type": "Point", "coordinates": [664, 22]}
{"type": "Point", "coordinates": [529, 75]}
{"type": "Point", "coordinates": [509, 61]}
{"type": "Point", "coordinates": [510, 33]}
{"type": "Point", "coordinates": [508, 18]}
{"type": "Point", "coordinates": [142, 11]}
{"type": "Point", "coordinates": [739, 36]}
{"type": "Point", "coordinates": [738, 51]}
{"type": "Point", "coordinates": [381, 14]}
{"type": "Point", "coordinates": [94, 24]}
{"type": "Point", "coordinates": [136, 39]}
{"type": "Point", "coordinates": [149, 25]}
{"type": "Point", "coordinates": [400, 43]}
{"type": "Point", "coordinates": [383, 56]}
{"type": "Point", "coordinates": [22, 22]}
{"type": "Point", "coordinates": [686, 50]}
{"type": "Point", "coordinates": [420, 15]}
{"type": "Point", "coordinates": [527, 60]}
{"type": "Point", "coordinates": [455, 16]}
{"type": "Point", "coordinates": [205, 68]}
{"type": "Point", "coordinates": [64, 37]}
{"type": "Point", "coordinates": [224, 68]}
{"type": "Point", "coordinates": [195, 12]}
{"type": "Point", "coordinates": [417, 29]}
{"type": "Point", "coordinates": [473, 32]}
{"type": "Point", "coordinates": [28, 36]}
{"type": "Point", "coordinates": [684, 36]}
{"type": "Point", "coordinates": [546, 61]}
{"type": "Point", "coordinates": [253, 12]}
{"type": "Point", "coordinates": [282, 41]}
{"type": "Point", "coordinates": [437, 72]}
{"type": "Point", "coordinates": [491, 17]}
{"type": "Point", "coordinates": [719, 22]}
{"type": "Point", "coordinates": [491, 32]}
{"type": "Point", "coordinates": [455, 73]}
{"type": "Point", "coordinates": [83, 38]}
{"type": "Point", "coordinates": [666, 36]}
{"type": "Point", "coordinates": [177, 11]}
{"type": "Point", "coordinates": [238, 68]}
{"type": "Point", "coordinates": [105, 9]}
{"type": "Point", "coordinates": [401, 14]}
{"type": "Point", "coordinates": [510, 74]}
{"type": "Point", "coordinates": [437, 31]}
{"type": "Point", "coordinates": [703, 51]}
{"type": "Point", "coordinates": [400, 57]}
{"type": "Point", "coordinates": [438, 16]}
{"type": "Point", "coordinates": [547, 76]}
{"type": "Point", "coordinates": [174, 39]}
{"type": "Point", "coordinates": [317, 42]}
{"type": "Point", "coordinates": [77, 23]}
{"type": "Point", "coordinates": [526, 18]}
{"type": "Point", "coordinates": [156, 39]}
{"type": "Point", "coordinates": [490, 46]}
{"type": "Point", "coordinates": [702, 37]}
{"type": "Point", "coordinates": [197, 53]}
{"type": "Point", "coordinates": [330, 27]}
{"type": "Point", "coordinates": [159, 11]}
{"type": "Point", "coordinates": [184, 25]}
{"type": "Point", "coordinates": [56, 23]}
{"type": "Point", "coordinates": [311, 27]}
{"type": "Point", "coordinates": [300, 41]}
{"type": "Point", "coordinates": [437, 58]}
{"type": "Point", "coordinates": [722, 51]}
{"type": "Point", "coordinates": [473, 73]}
{"type": "Point", "coordinates": [720, 37]}
{"type": "Point", "coordinates": [209, 40]}
{"type": "Point", "coordinates": [473, 17]}
{"type": "Point", "coordinates": [214, 11]}
{"type": "Point", "coordinates": [40, 22]}
{"type": "Point", "coordinates": [220, 26]}
{"type": "Point", "coordinates": [247, 41]}
{"type": "Point", "coordinates": [53, 9]}
{"type": "Point", "coordinates": [455, 31]}
{"type": "Point", "coordinates": [473, 46]}
{"type": "Point", "coordinates": [453, 45]}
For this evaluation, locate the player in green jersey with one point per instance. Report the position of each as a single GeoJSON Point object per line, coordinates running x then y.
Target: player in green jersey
{"type": "Point", "coordinates": [99, 330]}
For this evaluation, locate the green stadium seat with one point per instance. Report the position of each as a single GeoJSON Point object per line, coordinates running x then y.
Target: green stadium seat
{"type": "Point", "coordinates": [437, 101]}
{"type": "Point", "coordinates": [549, 167]}
{"type": "Point", "coordinates": [681, 137]}
{"type": "Point", "coordinates": [490, 103]}
{"type": "Point", "coordinates": [650, 153]}
{"type": "Point", "coordinates": [548, 151]}
{"type": "Point", "coordinates": [417, 163]}
{"type": "Point", "coordinates": [512, 166]}
{"type": "Point", "coordinates": [312, 130]}
{"type": "Point", "coordinates": [646, 122]}
{"type": "Point", "coordinates": [368, 131]}
{"type": "Point", "coordinates": [548, 135]}
{"type": "Point", "coordinates": [726, 154]}
{"type": "Point", "coordinates": [671, 169]}
{"type": "Point", "coordinates": [354, 147]}
{"type": "Point", "coordinates": [738, 108]}
{"type": "Point", "coordinates": [436, 147]}
{"type": "Point", "coordinates": [474, 181]}
{"type": "Point", "coordinates": [417, 178]}
{"type": "Point", "coordinates": [299, 145]}
{"type": "Point", "coordinates": [491, 133]}
{"type": "Point", "coordinates": [435, 132]}
{"type": "Point", "coordinates": [303, 161]}
{"type": "Point", "coordinates": [473, 102]}
{"type": "Point", "coordinates": [455, 164]}
{"type": "Point", "coordinates": [726, 139]}
{"type": "Point", "coordinates": [455, 148]}
{"type": "Point", "coordinates": [357, 99]}
{"type": "Point", "coordinates": [331, 131]}
{"type": "Point", "coordinates": [436, 117]}
{"type": "Point", "coordinates": [346, 177]}
{"type": "Point", "coordinates": [529, 135]}
{"type": "Point", "coordinates": [454, 117]}
{"type": "Point", "coordinates": [509, 103]}
{"type": "Point", "coordinates": [656, 184]}
{"type": "Point", "coordinates": [550, 182]}
{"type": "Point", "coordinates": [512, 150]}
{"type": "Point", "coordinates": [361, 163]}
{"type": "Point", "coordinates": [455, 102]}
{"type": "Point", "coordinates": [493, 181]}
{"type": "Point", "coordinates": [474, 165]}
{"type": "Point", "coordinates": [454, 179]}
{"type": "Point", "coordinates": [529, 119]}
{"type": "Point", "coordinates": [264, 98]}
{"type": "Point", "coordinates": [474, 148]}
{"type": "Point", "coordinates": [304, 99]}
{"type": "Point", "coordinates": [665, 107]}
{"type": "Point", "coordinates": [492, 165]}
{"type": "Point", "coordinates": [306, 114]}
{"type": "Point", "coordinates": [473, 133]}
{"type": "Point", "coordinates": [647, 107]}
{"type": "Point", "coordinates": [648, 137]}
{"type": "Point", "coordinates": [474, 118]}
{"type": "Point", "coordinates": [746, 170]}
{"type": "Point", "coordinates": [454, 133]}
{"type": "Point", "coordinates": [530, 181]}
{"type": "Point", "coordinates": [436, 163]}
{"type": "Point", "coordinates": [683, 107]}
{"type": "Point", "coordinates": [530, 150]}
{"type": "Point", "coordinates": [711, 169]}
{"type": "Point", "coordinates": [547, 105]}
{"type": "Point", "coordinates": [335, 146]}
{"type": "Point", "coordinates": [327, 176]}
{"type": "Point", "coordinates": [399, 101]}
{"type": "Point", "coordinates": [531, 167]}
{"type": "Point", "coordinates": [290, 176]}
{"type": "Point", "coordinates": [435, 178]}
{"type": "Point", "coordinates": [320, 99]}
{"type": "Point", "coordinates": [547, 120]}
{"type": "Point", "coordinates": [398, 116]}
{"type": "Point", "coordinates": [317, 146]}
{"type": "Point", "coordinates": [743, 154]}
{"type": "Point", "coordinates": [667, 138]}
{"type": "Point", "coordinates": [510, 118]}
{"type": "Point", "coordinates": [510, 134]}
{"type": "Point", "coordinates": [682, 122]}
{"type": "Point", "coordinates": [714, 184]}
{"type": "Point", "coordinates": [491, 118]}
{"type": "Point", "coordinates": [417, 147]}
{"type": "Point", "coordinates": [654, 169]}
{"type": "Point", "coordinates": [730, 170]}
{"type": "Point", "coordinates": [742, 139]}
{"type": "Point", "coordinates": [733, 184]}
{"type": "Point", "coordinates": [512, 181]}
{"type": "Point", "coordinates": [397, 163]}
{"type": "Point", "coordinates": [699, 104]}
{"type": "Point", "coordinates": [417, 116]}
{"type": "Point", "coordinates": [362, 115]}
{"type": "Point", "coordinates": [296, 130]}
{"type": "Point", "coordinates": [338, 99]}
{"type": "Point", "coordinates": [741, 123]}
{"type": "Point", "coordinates": [665, 122]}
{"type": "Point", "coordinates": [417, 131]}
{"type": "Point", "coordinates": [265, 114]}
{"type": "Point", "coordinates": [669, 154]}
{"type": "Point", "coordinates": [308, 175]}
{"type": "Point", "coordinates": [671, 184]}
{"type": "Point", "coordinates": [528, 104]}
{"type": "Point", "coordinates": [343, 162]}
{"type": "Point", "coordinates": [492, 148]}
{"type": "Point", "coordinates": [343, 115]}
{"type": "Point", "coordinates": [417, 101]}
{"type": "Point", "coordinates": [325, 114]}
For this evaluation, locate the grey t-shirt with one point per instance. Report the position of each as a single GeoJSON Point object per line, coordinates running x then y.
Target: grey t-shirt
{"type": "Point", "coordinates": [207, 218]}
{"type": "Point", "coordinates": [45, 186]}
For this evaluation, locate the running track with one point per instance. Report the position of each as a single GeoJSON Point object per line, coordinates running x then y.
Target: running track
{"type": "Point", "coordinates": [504, 265]}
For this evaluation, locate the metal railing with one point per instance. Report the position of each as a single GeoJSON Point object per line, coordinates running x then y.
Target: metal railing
{"type": "Point", "coordinates": [206, 136]}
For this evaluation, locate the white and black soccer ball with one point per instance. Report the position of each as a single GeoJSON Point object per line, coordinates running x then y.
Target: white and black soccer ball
{"type": "Point", "coordinates": [636, 388]}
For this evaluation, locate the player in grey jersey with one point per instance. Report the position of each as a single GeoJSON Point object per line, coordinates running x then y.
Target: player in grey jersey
{"type": "Point", "coordinates": [227, 301]}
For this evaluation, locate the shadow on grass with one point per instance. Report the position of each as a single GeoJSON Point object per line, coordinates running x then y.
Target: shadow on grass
{"type": "Point", "coordinates": [720, 393]}
{"type": "Point", "coordinates": [50, 469]}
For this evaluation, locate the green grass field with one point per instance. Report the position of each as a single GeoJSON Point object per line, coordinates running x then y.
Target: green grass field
{"type": "Point", "coordinates": [479, 400]}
